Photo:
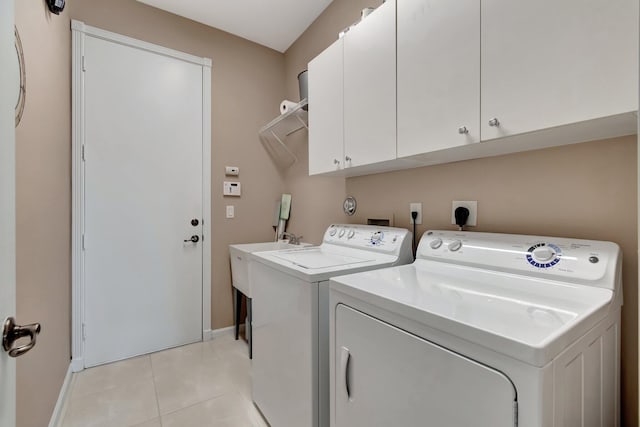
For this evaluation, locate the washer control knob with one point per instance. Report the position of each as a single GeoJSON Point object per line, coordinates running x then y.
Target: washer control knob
{"type": "Point", "coordinates": [351, 234]}
{"type": "Point", "coordinates": [333, 232]}
{"type": "Point", "coordinates": [543, 253]}
{"type": "Point", "coordinates": [435, 243]}
{"type": "Point", "coordinates": [455, 245]}
{"type": "Point", "coordinates": [341, 233]}
{"type": "Point", "coordinates": [377, 237]}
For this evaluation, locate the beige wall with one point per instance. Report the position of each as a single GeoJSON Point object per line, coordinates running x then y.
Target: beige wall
{"type": "Point", "coordinates": [43, 169]}
{"type": "Point", "coordinates": [247, 87]}
{"type": "Point", "coordinates": [594, 194]}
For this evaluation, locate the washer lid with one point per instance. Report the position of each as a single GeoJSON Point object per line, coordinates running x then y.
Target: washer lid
{"type": "Point", "coordinates": [527, 318]}
{"type": "Point", "coordinates": [313, 258]}
{"type": "Point", "coordinates": [319, 263]}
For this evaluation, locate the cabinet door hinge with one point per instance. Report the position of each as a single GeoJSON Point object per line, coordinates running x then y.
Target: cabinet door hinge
{"type": "Point", "coordinates": [84, 64]}
{"type": "Point", "coordinates": [84, 332]}
{"type": "Point", "coordinates": [84, 158]}
{"type": "Point", "coordinates": [83, 245]}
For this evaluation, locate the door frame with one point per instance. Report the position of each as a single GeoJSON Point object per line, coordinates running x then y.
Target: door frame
{"type": "Point", "coordinates": [80, 31]}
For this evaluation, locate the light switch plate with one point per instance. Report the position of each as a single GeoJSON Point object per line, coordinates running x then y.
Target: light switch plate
{"type": "Point", "coordinates": [231, 211]}
{"type": "Point", "coordinates": [231, 188]}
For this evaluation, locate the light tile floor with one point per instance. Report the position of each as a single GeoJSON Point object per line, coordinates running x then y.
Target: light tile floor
{"type": "Point", "coordinates": [198, 385]}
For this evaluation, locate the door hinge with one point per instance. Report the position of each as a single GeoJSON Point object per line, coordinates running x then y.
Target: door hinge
{"type": "Point", "coordinates": [83, 247]}
{"type": "Point", "coordinates": [515, 413]}
{"type": "Point", "coordinates": [84, 64]}
{"type": "Point", "coordinates": [83, 155]}
{"type": "Point", "coordinates": [84, 332]}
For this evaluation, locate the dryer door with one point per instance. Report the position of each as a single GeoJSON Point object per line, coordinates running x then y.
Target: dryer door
{"type": "Point", "coordinates": [385, 376]}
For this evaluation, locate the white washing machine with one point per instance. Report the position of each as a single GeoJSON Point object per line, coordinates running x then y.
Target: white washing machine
{"type": "Point", "coordinates": [290, 368]}
{"type": "Point", "coordinates": [484, 330]}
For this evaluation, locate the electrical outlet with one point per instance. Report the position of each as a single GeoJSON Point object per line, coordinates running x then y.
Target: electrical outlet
{"type": "Point", "coordinates": [415, 207]}
{"type": "Point", "coordinates": [472, 221]}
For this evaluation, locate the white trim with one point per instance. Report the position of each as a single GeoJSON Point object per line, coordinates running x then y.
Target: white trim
{"type": "Point", "coordinates": [207, 229]}
{"type": "Point", "coordinates": [79, 32]}
{"type": "Point", "coordinates": [217, 333]}
{"type": "Point", "coordinates": [81, 27]}
{"type": "Point", "coordinates": [207, 335]}
{"type": "Point", "coordinates": [58, 410]}
{"type": "Point", "coordinates": [77, 192]}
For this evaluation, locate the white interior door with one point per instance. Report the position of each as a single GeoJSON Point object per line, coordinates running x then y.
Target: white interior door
{"type": "Point", "coordinates": [143, 187]}
{"type": "Point", "coordinates": [7, 207]}
{"type": "Point", "coordinates": [385, 376]}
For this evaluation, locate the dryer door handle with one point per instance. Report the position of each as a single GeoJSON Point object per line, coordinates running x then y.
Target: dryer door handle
{"type": "Point", "coordinates": [345, 365]}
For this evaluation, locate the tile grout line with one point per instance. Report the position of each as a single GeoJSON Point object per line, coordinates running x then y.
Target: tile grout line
{"type": "Point", "coordinates": [155, 389]}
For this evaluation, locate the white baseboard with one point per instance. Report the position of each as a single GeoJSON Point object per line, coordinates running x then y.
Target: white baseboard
{"type": "Point", "coordinates": [62, 397]}
{"type": "Point", "coordinates": [77, 365]}
{"type": "Point", "coordinates": [216, 333]}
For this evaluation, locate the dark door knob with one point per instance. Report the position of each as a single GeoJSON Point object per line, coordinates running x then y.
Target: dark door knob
{"type": "Point", "coordinates": [12, 333]}
{"type": "Point", "coordinates": [193, 239]}
{"type": "Point", "coordinates": [195, 222]}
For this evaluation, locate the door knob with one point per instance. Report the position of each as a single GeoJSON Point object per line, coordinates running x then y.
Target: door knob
{"type": "Point", "coordinates": [462, 130]}
{"type": "Point", "coordinates": [494, 122]}
{"type": "Point", "coordinates": [193, 239]}
{"type": "Point", "coordinates": [195, 222]}
{"type": "Point", "coordinates": [12, 333]}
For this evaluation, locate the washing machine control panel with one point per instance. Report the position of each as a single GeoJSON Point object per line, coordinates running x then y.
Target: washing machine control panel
{"type": "Point", "coordinates": [560, 258]}
{"type": "Point", "coordinates": [382, 239]}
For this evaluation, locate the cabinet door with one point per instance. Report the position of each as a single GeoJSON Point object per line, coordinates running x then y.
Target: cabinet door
{"type": "Point", "coordinates": [394, 378]}
{"type": "Point", "coordinates": [438, 75]}
{"type": "Point", "coordinates": [547, 63]}
{"type": "Point", "coordinates": [370, 88]}
{"type": "Point", "coordinates": [326, 112]}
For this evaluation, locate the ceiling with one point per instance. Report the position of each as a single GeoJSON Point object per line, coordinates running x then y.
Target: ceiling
{"type": "Point", "coordinates": [272, 23]}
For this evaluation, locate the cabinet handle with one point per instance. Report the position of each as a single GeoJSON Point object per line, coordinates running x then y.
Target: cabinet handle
{"type": "Point", "coordinates": [462, 130]}
{"type": "Point", "coordinates": [347, 158]}
{"type": "Point", "coordinates": [336, 162]}
{"type": "Point", "coordinates": [345, 359]}
{"type": "Point", "coordinates": [494, 122]}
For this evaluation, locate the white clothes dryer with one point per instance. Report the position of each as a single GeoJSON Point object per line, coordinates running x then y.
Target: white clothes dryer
{"type": "Point", "coordinates": [290, 368]}
{"type": "Point", "coordinates": [484, 330]}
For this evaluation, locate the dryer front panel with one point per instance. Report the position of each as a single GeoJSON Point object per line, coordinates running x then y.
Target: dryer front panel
{"type": "Point", "coordinates": [385, 376]}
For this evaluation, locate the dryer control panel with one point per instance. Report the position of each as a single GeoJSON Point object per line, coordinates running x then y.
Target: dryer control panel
{"type": "Point", "coordinates": [590, 262]}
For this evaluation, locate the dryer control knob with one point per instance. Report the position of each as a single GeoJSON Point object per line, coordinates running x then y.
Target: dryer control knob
{"type": "Point", "coordinates": [543, 253]}
{"type": "Point", "coordinates": [435, 243]}
{"type": "Point", "coordinates": [341, 233]}
{"type": "Point", "coordinates": [332, 232]}
{"type": "Point", "coordinates": [351, 234]}
{"type": "Point", "coordinates": [455, 245]}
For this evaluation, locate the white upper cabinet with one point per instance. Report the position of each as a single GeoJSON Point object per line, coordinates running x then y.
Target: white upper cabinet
{"type": "Point", "coordinates": [425, 86]}
{"type": "Point", "coordinates": [438, 75]}
{"type": "Point", "coordinates": [547, 63]}
{"type": "Point", "coordinates": [370, 88]}
{"type": "Point", "coordinates": [326, 114]}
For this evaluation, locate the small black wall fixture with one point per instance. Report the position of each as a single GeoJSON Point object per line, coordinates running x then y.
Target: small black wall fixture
{"type": "Point", "coordinates": [56, 6]}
